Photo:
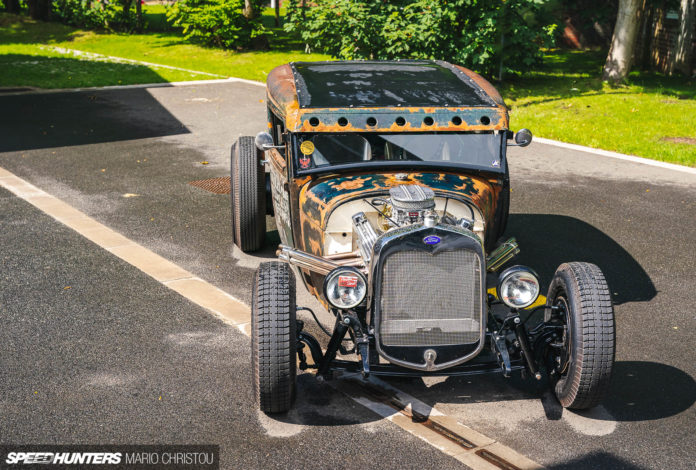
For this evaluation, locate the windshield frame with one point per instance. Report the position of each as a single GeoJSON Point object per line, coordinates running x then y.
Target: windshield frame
{"type": "Point", "coordinates": [397, 164]}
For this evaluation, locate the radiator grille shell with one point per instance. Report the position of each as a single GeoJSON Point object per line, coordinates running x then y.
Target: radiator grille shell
{"type": "Point", "coordinates": [430, 300]}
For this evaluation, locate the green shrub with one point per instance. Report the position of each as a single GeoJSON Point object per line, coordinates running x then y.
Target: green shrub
{"type": "Point", "coordinates": [98, 14]}
{"type": "Point", "coordinates": [345, 29]}
{"type": "Point", "coordinates": [219, 23]}
{"type": "Point", "coordinates": [476, 33]}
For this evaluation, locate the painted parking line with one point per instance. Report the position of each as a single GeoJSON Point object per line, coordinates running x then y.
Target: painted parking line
{"type": "Point", "coordinates": [229, 309]}
{"type": "Point", "coordinates": [468, 446]}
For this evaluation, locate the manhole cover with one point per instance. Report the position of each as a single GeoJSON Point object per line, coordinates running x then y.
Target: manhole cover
{"type": "Point", "coordinates": [679, 140]}
{"type": "Point", "coordinates": [214, 185]}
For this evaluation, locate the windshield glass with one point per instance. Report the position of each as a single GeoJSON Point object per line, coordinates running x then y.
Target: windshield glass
{"type": "Point", "coordinates": [471, 150]}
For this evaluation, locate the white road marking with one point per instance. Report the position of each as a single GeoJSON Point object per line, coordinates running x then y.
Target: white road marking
{"type": "Point", "coordinates": [620, 156]}
{"type": "Point", "coordinates": [468, 456]}
{"type": "Point", "coordinates": [234, 312]}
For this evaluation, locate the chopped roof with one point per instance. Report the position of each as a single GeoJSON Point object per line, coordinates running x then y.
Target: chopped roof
{"type": "Point", "coordinates": [385, 84]}
{"type": "Point", "coordinates": [383, 96]}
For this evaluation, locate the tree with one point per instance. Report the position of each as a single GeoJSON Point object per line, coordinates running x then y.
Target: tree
{"type": "Point", "coordinates": [39, 9]}
{"type": "Point", "coordinates": [12, 6]}
{"type": "Point", "coordinates": [623, 42]}
{"type": "Point", "coordinates": [683, 45]}
{"type": "Point", "coordinates": [139, 16]}
{"type": "Point", "coordinates": [249, 11]}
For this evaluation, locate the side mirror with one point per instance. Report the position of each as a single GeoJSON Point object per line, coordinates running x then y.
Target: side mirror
{"type": "Point", "coordinates": [263, 141]}
{"type": "Point", "coordinates": [523, 137]}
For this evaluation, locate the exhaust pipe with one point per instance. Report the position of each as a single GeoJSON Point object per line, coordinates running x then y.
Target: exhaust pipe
{"type": "Point", "coordinates": [305, 260]}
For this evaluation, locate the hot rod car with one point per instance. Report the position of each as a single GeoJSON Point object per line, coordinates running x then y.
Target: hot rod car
{"type": "Point", "coordinates": [389, 185]}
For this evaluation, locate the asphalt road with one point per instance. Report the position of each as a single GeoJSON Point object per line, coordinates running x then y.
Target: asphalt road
{"type": "Point", "coordinates": [101, 353]}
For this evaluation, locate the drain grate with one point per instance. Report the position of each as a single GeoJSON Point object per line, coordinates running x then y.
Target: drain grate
{"type": "Point", "coordinates": [214, 185]}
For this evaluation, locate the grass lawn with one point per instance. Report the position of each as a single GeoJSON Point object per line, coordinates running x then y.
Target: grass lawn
{"type": "Point", "coordinates": [652, 116]}
{"type": "Point", "coordinates": [166, 48]}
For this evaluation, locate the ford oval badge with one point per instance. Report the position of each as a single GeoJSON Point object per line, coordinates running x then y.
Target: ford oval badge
{"type": "Point", "coordinates": [431, 240]}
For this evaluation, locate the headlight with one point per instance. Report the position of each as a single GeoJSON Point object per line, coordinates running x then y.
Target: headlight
{"type": "Point", "coordinates": [345, 287]}
{"type": "Point", "coordinates": [518, 287]}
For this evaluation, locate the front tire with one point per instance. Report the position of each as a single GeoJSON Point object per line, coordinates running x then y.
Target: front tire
{"type": "Point", "coordinates": [581, 364]}
{"type": "Point", "coordinates": [273, 337]}
{"type": "Point", "coordinates": [248, 195]}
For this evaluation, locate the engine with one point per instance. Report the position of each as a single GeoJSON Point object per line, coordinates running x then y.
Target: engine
{"type": "Point", "coordinates": [406, 205]}
{"type": "Point", "coordinates": [410, 202]}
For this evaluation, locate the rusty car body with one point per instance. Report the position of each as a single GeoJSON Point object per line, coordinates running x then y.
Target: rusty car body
{"type": "Point", "coordinates": [389, 185]}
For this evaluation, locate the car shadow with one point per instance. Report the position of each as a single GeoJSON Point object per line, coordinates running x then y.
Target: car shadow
{"type": "Point", "coordinates": [640, 391]}
{"type": "Point", "coordinates": [320, 404]}
{"type": "Point", "coordinates": [58, 119]}
{"type": "Point", "coordinates": [546, 241]}
{"type": "Point", "coordinates": [593, 460]}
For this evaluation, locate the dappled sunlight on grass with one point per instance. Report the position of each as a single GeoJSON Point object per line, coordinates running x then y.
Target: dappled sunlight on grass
{"type": "Point", "coordinates": [566, 100]}
{"type": "Point", "coordinates": [166, 48]}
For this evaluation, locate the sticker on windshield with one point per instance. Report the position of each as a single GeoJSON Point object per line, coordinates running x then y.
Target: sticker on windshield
{"type": "Point", "coordinates": [496, 163]}
{"type": "Point", "coordinates": [305, 162]}
{"type": "Point", "coordinates": [307, 147]}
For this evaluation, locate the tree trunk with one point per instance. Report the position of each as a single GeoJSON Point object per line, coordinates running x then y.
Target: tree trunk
{"type": "Point", "coordinates": [277, 12]}
{"type": "Point", "coordinates": [648, 32]}
{"type": "Point", "coordinates": [12, 6]}
{"type": "Point", "coordinates": [139, 16]}
{"type": "Point", "coordinates": [39, 9]}
{"type": "Point", "coordinates": [126, 10]}
{"type": "Point", "coordinates": [623, 42]}
{"type": "Point", "coordinates": [248, 11]}
{"type": "Point", "coordinates": [683, 47]}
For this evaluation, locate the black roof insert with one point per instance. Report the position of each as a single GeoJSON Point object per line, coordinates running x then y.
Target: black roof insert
{"type": "Point", "coordinates": [363, 84]}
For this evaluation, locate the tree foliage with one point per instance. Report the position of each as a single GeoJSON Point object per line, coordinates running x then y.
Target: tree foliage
{"type": "Point", "coordinates": [477, 33]}
{"type": "Point", "coordinates": [98, 14]}
{"type": "Point", "coordinates": [219, 23]}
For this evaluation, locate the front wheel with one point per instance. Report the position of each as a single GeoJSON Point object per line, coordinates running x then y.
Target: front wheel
{"type": "Point", "coordinates": [274, 337]}
{"type": "Point", "coordinates": [580, 363]}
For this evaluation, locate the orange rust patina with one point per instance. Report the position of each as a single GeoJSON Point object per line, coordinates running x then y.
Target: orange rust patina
{"type": "Point", "coordinates": [283, 100]}
{"type": "Point", "coordinates": [307, 201]}
{"type": "Point", "coordinates": [319, 197]}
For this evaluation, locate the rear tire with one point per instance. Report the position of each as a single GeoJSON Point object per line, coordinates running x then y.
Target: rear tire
{"type": "Point", "coordinates": [273, 337]}
{"type": "Point", "coordinates": [583, 373]}
{"type": "Point", "coordinates": [248, 195]}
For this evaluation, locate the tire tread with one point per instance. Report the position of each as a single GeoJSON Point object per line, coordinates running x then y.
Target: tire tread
{"type": "Point", "coordinates": [248, 195]}
{"type": "Point", "coordinates": [594, 320]}
{"type": "Point", "coordinates": [273, 337]}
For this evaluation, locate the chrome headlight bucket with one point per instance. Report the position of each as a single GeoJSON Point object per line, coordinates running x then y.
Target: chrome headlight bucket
{"type": "Point", "coordinates": [518, 287]}
{"type": "Point", "coordinates": [345, 287]}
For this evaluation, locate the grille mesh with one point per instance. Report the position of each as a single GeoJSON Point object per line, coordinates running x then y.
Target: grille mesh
{"type": "Point", "coordinates": [430, 300]}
